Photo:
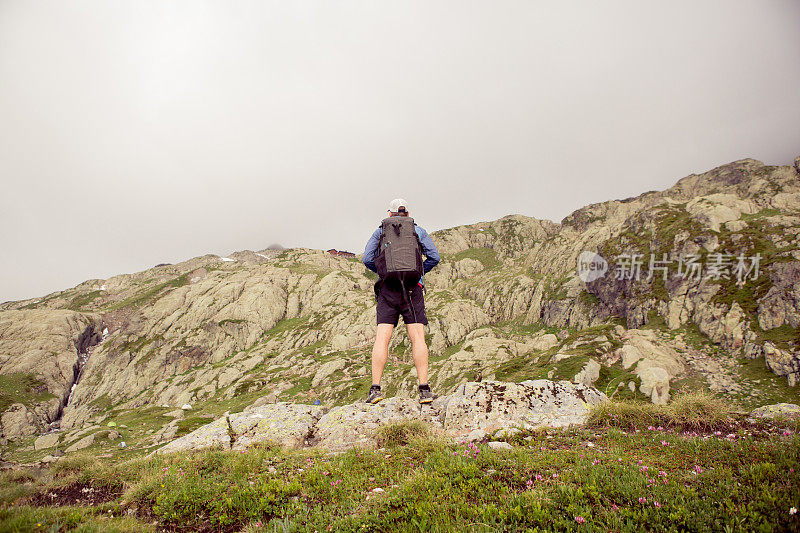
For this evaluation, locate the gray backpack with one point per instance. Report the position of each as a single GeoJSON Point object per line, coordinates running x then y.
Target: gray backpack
{"type": "Point", "coordinates": [399, 254]}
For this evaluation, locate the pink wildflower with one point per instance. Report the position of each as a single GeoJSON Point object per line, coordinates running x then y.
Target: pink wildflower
{"type": "Point", "coordinates": [580, 519]}
{"type": "Point", "coordinates": [642, 500]}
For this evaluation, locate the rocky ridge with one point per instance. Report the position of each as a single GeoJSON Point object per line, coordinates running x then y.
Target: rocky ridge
{"type": "Point", "coordinates": [504, 304]}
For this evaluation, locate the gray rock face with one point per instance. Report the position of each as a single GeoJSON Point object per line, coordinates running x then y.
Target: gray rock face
{"type": "Point", "coordinates": [474, 411]}
{"type": "Point", "coordinates": [326, 370]}
{"type": "Point", "coordinates": [42, 342]}
{"type": "Point", "coordinates": [782, 362]}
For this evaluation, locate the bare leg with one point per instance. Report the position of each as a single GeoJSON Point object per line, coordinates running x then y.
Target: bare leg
{"type": "Point", "coordinates": [419, 349]}
{"type": "Point", "coordinates": [380, 351]}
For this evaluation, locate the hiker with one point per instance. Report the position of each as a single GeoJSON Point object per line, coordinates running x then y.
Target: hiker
{"type": "Point", "coordinates": [394, 252]}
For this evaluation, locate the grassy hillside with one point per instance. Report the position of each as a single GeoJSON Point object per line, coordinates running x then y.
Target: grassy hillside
{"type": "Point", "coordinates": [692, 465]}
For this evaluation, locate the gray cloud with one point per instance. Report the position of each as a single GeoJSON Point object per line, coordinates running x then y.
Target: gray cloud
{"type": "Point", "coordinates": [145, 132]}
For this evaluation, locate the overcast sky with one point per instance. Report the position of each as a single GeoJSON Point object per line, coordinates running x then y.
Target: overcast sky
{"type": "Point", "coordinates": [140, 132]}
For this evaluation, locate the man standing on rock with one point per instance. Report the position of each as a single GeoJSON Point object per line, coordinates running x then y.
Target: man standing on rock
{"type": "Point", "coordinates": [395, 252]}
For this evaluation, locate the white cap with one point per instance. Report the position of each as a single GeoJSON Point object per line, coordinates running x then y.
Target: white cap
{"type": "Point", "coordinates": [396, 204]}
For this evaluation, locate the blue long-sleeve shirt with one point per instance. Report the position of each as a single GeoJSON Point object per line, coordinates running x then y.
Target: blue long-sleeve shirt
{"type": "Point", "coordinates": [428, 249]}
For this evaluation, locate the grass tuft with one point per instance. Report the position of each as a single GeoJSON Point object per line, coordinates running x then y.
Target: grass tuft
{"type": "Point", "coordinates": [697, 410]}
{"type": "Point", "coordinates": [401, 433]}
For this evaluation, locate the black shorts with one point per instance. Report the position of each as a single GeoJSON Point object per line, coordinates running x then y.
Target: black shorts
{"type": "Point", "coordinates": [391, 304]}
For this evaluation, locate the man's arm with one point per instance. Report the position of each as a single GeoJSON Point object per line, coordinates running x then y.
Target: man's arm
{"type": "Point", "coordinates": [429, 249]}
{"type": "Point", "coordinates": [369, 251]}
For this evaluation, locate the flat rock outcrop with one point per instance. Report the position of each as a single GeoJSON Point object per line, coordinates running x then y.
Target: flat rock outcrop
{"type": "Point", "coordinates": [285, 424]}
{"type": "Point", "coordinates": [472, 412]}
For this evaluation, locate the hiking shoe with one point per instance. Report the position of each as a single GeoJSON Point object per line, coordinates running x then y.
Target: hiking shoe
{"type": "Point", "coordinates": [427, 396]}
{"type": "Point", "coordinates": [375, 395]}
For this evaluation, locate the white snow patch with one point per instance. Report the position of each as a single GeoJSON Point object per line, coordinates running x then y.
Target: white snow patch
{"type": "Point", "coordinates": [102, 287]}
{"type": "Point", "coordinates": [261, 255]}
{"type": "Point", "coordinates": [228, 259]}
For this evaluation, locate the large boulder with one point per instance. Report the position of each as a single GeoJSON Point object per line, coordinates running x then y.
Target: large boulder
{"type": "Point", "coordinates": [214, 434]}
{"type": "Point", "coordinates": [46, 441]}
{"type": "Point", "coordinates": [85, 442]}
{"type": "Point", "coordinates": [17, 421]}
{"type": "Point", "coordinates": [656, 362]}
{"type": "Point", "coordinates": [778, 410]}
{"type": "Point", "coordinates": [493, 405]}
{"type": "Point", "coordinates": [588, 374]}
{"type": "Point", "coordinates": [285, 424]}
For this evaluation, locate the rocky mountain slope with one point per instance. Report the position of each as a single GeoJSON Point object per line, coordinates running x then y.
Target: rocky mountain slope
{"type": "Point", "coordinates": [505, 303]}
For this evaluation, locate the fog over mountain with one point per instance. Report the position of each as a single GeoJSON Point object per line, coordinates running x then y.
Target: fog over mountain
{"type": "Point", "coordinates": [141, 133]}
